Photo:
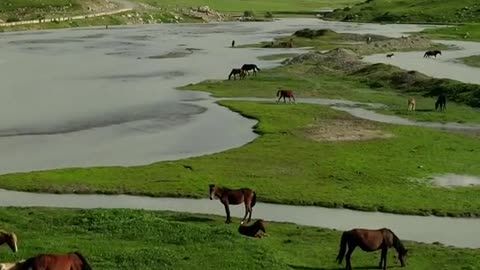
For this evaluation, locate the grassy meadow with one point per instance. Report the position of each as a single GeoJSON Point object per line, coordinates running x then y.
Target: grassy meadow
{"type": "Point", "coordinates": [126, 239]}
{"type": "Point", "coordinates": [458, 32]}
{"type": "Point", "coordinates": [473, 61]}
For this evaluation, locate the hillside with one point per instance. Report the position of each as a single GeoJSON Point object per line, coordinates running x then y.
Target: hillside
{"type": "Point", "coordinates": [443, 11]}
{"type": "Point", "coordinates": [19, 10]}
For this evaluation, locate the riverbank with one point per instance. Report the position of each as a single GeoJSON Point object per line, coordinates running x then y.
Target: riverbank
{"type": "Point", "coordinates": [117, 239]}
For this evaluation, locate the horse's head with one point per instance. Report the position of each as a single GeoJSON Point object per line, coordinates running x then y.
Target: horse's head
{"type": "Point", "coordinates": [11, 240]}
{"type": "Point", "coordinates": [211, 191]}
{"type": "Point", "coordinates": [402, 257]}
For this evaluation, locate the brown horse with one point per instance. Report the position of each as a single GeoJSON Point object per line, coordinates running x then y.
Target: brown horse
{"type": "Point", "coordinates": [234, 196]}
{"type": "Point", "coordinates": [70, 261]}
{"type": "Point", "coordinates": [369, 241]}
{"type": "Point", "coordinates": [285, 93]}
{"type": "Point", "coordinates": [411, 104]}
{"type": "Point", "coordinates": [235, 72]}
{"type": "Point", "coordinates": [257, 229]}
{"type": "Point", "coordinates": [10, 239]}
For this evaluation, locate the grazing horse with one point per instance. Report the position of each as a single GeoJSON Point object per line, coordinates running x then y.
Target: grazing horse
{"type": "Point", "coordinates": [235, 72]}
{"type": "Point", "coordinates": [10, 239]}
{"type": "Point", "coordinates": [285, 93]}
{"type": "Point", "coordinates": [248, 67]}
{"type": "Point", "coordinates": [234, 196]}
{"type": "Point", "coordinates": [441, 103]}
{"type": "Point", "coordinates": [369, 241]}
{"type": "Point", "coordinates": [411, 104]}
{"type": "Point", "coordinates": [71, 261]}
{"type": "Point", "coordinates": [257, 229]}
{"type": "Point", "coordinates": [390, 55]}
{"type": "Point", "coordinates": [432, 53]}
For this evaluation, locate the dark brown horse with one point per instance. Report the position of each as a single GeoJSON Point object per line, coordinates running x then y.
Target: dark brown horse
{"type": "Point", "coordinates": [432, 53]}
{"type": "Point", "coordinates": [10, 239]}
{"type": "Point", "coordinates": [285, 93]}
{"type": "Point", "coordinates": [257, 229]}
{"type": "Point", "coordinates": [369, 241]}
{"type": "Point", "coordinates": [235, 197]}
{"type": "Point", "coordinates": [70, 261]}
{"type": "Point", "coordinates": [390, 55]}
{"type": "Point", "coordinates": [248, 67]}
{"type": "Point", "coordinates": [441, 103]}
{"type": "Point", "coordinates": [235, 72]}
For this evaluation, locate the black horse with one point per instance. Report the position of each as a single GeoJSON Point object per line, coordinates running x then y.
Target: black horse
{"type": "Point", "coordinates": [235, 72]}
{"type": "Point", "coordinates": [248, 67]}
{"type": "Point", "coordinates": [233, 43]}
{"type": "Point", "coordinates": [432, 53]}
{"type": "Point", "coordinates": [441, 103]}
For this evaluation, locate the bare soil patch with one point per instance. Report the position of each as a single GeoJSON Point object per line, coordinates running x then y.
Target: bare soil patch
{"type": "Point", "coordinates": [456, 180]}
{"type": "Point", "coordinates": [345, 130]}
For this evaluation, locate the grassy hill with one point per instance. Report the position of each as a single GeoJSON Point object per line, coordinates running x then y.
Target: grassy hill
{"type": "Point", "coordinates": [443, 11]}
{"type": "Point", "coordinates": [17, 10]}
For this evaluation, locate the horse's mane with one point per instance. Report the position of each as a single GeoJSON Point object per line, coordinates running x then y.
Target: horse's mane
{"type": "Point", "coordinates": [397, 243]}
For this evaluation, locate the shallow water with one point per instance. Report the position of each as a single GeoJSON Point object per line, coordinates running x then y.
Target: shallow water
{"type": "Point", "coordinates": [460, 232]}
{"type": "Point", "coordinates": [92, 97]}
{"type": "Point", "coordinates": [443, 66]}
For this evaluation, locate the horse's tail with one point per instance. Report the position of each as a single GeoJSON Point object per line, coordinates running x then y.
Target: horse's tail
{"type": "Point", "coordinates": [278, 92]}
{"type": "Point", "coordinates": [254, 200]}
{"type": "Point", "coordinates": [343, 248]}
{"type": "Point", "coordinates": [85, 265]}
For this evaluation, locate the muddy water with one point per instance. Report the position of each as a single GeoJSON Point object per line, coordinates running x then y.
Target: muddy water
{"type": "Point", "coordinates": [458, 232]}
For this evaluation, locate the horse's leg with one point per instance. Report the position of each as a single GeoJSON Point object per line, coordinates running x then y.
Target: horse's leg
{"type": "Point", "coordinates": [284, 99]}
{"type": "Point", "coordinates": [279, 98]}
{"type": "Point", "coordinates": [351, 248]}
{"type": "Point", "coordinates": [246, 212]}
{"type": "Point", "coordinates": [383, 258]}
{"type": "Point", "coordinates": [227, 210]}
{"type": "Point", "coordinates": [250, 209]}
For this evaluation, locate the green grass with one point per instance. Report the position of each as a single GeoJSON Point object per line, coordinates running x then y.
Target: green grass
{"type": "Point", "coordinates": [286, 167]}
{"type": "Point", "coordinates": [125, 239]}
{"type": "Point", "coordinates": [455, 32]}
{"type": "Point", "coordinates": [418, 11]}
{"type": "Point", "coordinates": [239, 6]}
{"type": "Point", "coordinates": [15, 10]}
{"type": "Point", "coordinates": [473, 61]}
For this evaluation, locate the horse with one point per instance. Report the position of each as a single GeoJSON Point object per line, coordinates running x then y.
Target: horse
{"type": "Point", "coordinates": [390, 55]}
{"type": "Point", "coordinates": [10, 239]}
{"type": "Point", "coordinates": [369, 241]}
{"type": "Point", "coordinates": [432, 53]}
{"type": "Point", "coordinates": [235, 72]}
{"type": "Point", "coordinates": [233, 43]}
{"type": "Point", "coordinates": [257, 229]}
{"type": "Point", "coordinates": [70, 261]}
{"type": "Point", "coordinates": [234, 196]}
{"type": "Point", "coordinates": [411, 104]}
{"type": "Point", "coordinates": [369, 40]}
{"type": "Point", "coordinates": [441, 103]}
{"type": "Point", "coordinates": [248, 67]}
{"type": "Point", "coordinates": [285, 93]}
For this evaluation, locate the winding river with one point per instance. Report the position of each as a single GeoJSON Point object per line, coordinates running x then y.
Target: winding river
{"type": "Point", "coordinates": [98, 97]}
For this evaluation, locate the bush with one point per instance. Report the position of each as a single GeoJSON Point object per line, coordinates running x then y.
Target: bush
{"type": "Point", "coordinates": [269, 15]}
{"type": "Point", "coordinates": [13, 19]}
{"type": "Point", "coordinates": [248, 13]}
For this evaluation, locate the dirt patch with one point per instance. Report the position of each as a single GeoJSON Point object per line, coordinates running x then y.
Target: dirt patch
{"type": "Point", "coordinates": [345, 130]}
{"type": "Point", "coordinates": [337, 59]}
{"type": "Point", "coordinates": [455, 180]}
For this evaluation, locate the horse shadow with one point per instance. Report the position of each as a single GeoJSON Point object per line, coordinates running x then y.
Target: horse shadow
{"type": "Point", "coordinates": [425, 110]}
{"type": "Point", "coordinates": [194, 219]}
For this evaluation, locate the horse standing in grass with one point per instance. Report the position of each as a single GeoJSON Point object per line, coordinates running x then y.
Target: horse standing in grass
{"type": "Point", "coordinates": [235, 197]}
{"type": "Point", "coordinates": [247, 67]}
{"type": "Point", "coordinates": [432, 53]}
{"type": "Point", "coordinates": [257, 229]}
{"type": "Point", "coordinates": [235, 72]}
{"type": "Point", "coordinates": [10, 239]}
{"type": "Point", "coordinates": [285, 93]}
{"type": "Point", "coordinates": [411, 104]}
{"type": "Point", "coordinates": [441, 103]}
{"type": "Point", "coordinates": [369, 241]}
{"type": "Point", "coordinates": [71, 261]}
